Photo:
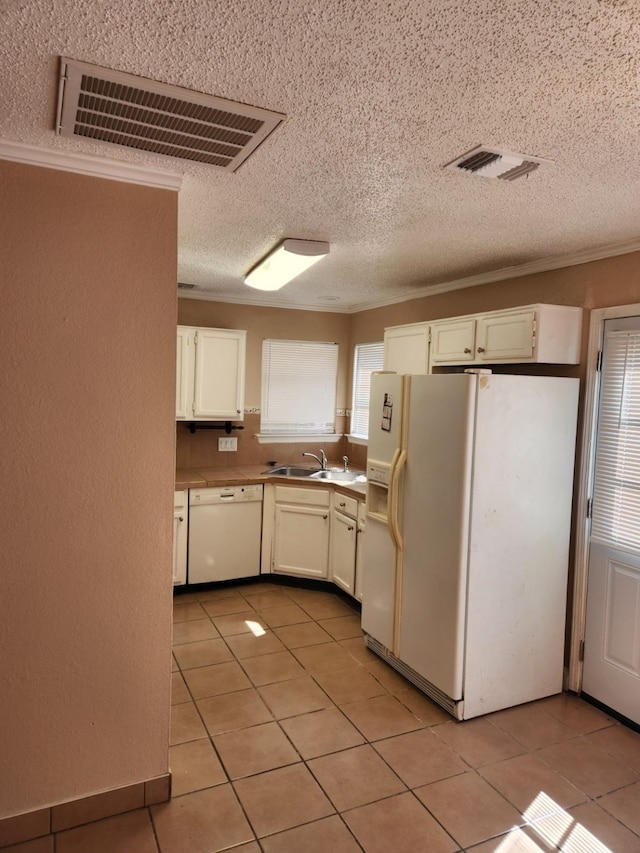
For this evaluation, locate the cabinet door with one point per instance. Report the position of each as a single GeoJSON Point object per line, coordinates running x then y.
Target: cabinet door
{"type": "Point", "coordinates": [219, 374]}
{"type": "Point", "coordinates": [406, 348]}
{"type": "Point", "coordinates": [180, 537]}
{"type": "Point", "coordinates": [343, 552]}
{"type": "Point", "coordinates": [453, 341]}
{"type": "Point", "coordinates": [360, 530]}
{"type": "Point", "coordinates": [184, 373]}
{"type": "Point", "coordinates": [505, 337]}
{"type": "Point", "coordinates": [301, 541]}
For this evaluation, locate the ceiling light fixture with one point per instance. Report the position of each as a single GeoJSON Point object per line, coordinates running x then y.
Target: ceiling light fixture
{"type": "Point", "coordinates": [285, 262]}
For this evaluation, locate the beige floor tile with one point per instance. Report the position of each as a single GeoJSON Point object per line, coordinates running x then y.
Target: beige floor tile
{"type": "Point", "coordinates": [218, 592]}
{"type": "Point", "coordinates": [299, 595]}
{"type": "Point", "coordinates": [387, 676]}
{"type": "Point", "coordinates": [531, 786]}
{"type": "Point", "coordinates": [38, 845]}
{"type": "Point", "coordinates": [127, 833]}
{"type": "Point", "coordinates": [215, 680]}
{"type": "Point", "coordinates": [355, 777]}
{"type": "Point", "coordinates": [532, 725]}
{"type": "Point", "coordinates": [586, 829]}
{"type": "Point", "coordinates": [285, 614]}
{"type": "Point", "coordinates": [192, 631]}
{"type": "Point", "coordinates": [381, 717]}
{"type": "Point", "coordinates": [357, 648]}
{"type": "Point", "coordinates": [251, 847]}
{"type": "Point", "coordinates": [587, 766]}
{"type": "Point", "coordinates": [520, 840]}
{"type": "Point", "coordinates": [325, 609]}
{"type": "Point", "coordinates": [420, 758]}
{"type": "Point", "coordinates": [423, 707]}
{"type": "Point", "coordinates": [185, 724]}
{"type": "Point", "coordinates": [328, 835]}
{"type": "Point", "coordinates": [620, 742]}
{"type": "Point", "coordinates": [349, 685]}
{"type": "Point", "coordinates": [624, 805]}
{"type": "Point", "coordinates": [576, 713]}
{"type": "Point", "coordinates": [174, 664]}
{"type": "Point", "coordinates": [401, 824]}
{"type": "Point", "coordinates": [233, 711]}
{"type": "Point", "coordinates": [321, 732]}
{"type": "Point", "coordinates": [202, 822]}
{"type": "Point", "coordinates": [268, 669]}
{"type": "Point", "coordinates": [468, 808]}
{"type": "Point", "coordinates": [225, 606]}
{"type": "Point", "coordinates": [194, 766]}
{"type": "Point", "coordinates": [179, 692]}
{"type": "Point", "coordinates": [203, 653]}
{"type": "Point", "coordinates": [245, 622]}
{"type": "Point", "coordinates": [254, 750]}
{"type": "Point", "coordinates": [479, 741]}
{"type": "Point", "coordinates": [250, 646]}
{"type": "Point", "coordinates": [187, 611]}
{"type": "Point", "coordinates": [342, 627]}
{"type": "Point", "coordinates": [281, 799]}
{"type": "Point", "coordinates": [297, 696]}
{"type": "Point", "coordinates": [327, 657]}
{"type": "Point", "coordinates": [305, 634]}
{"type": "Point", "coordinates": [262, 599]}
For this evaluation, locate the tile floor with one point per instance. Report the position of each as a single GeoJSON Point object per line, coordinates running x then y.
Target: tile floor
{"type": "Point", "coordinates": [289, 736]}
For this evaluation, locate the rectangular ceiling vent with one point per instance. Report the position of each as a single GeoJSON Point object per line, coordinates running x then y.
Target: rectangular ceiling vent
{"type": "Point", "coordinates": [493, 163]}
{"type": "Point", "coordinates": [111, 106]}
{"type": "Point", "coordinates": [182, 285]}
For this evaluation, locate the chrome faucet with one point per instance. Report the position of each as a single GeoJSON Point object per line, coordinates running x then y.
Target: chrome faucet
{"type": "Point", "coordinates": [345, 460]}
{"type": "Point", "coordinates": [321, 460]}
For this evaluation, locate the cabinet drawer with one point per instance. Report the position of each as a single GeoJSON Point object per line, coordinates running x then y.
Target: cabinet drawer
{"type": "Point", "coordinates": [346, 505]}
{"type": "Point", "coordinates": [292, 495]}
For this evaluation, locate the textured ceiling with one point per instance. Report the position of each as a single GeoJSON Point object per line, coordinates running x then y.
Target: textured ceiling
{"type": "Point", "coordinates": [379, 96]}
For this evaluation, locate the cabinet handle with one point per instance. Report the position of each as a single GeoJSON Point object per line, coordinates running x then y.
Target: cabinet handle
{"type": "Point", "coordinates": [238, 411]}
{"type": "Point", "coordinates": [349, 528]}
{"type": "Point", "coordinates": [467, 350]}
{"type": "Point", "coordinates": [480, 349]}
{"type": "Point", "coordinates": [180, 518]}
{"type": "Point", "coordinates": [343, 504]}
{"type": "Point", "coordinates": [325, 517]}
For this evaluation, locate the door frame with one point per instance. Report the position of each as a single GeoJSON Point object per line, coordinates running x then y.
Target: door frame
{"type": "Point", "coordinates": [585, 484]}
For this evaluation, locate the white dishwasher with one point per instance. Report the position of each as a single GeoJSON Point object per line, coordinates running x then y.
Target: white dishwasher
{"type": "Point", "coordinates": [225, 528]}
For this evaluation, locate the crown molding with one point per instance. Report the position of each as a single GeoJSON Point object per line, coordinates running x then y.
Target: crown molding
{"type": "Point", "coordinates": [208, 296]}
{"type": "Point", "coordinates": [543, 265]}
{"type": "Point", "coordinates": [83, 164]}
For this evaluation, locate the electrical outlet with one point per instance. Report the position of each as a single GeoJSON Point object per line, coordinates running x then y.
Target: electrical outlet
{"type": "Point", "coordinates": [227, 443]}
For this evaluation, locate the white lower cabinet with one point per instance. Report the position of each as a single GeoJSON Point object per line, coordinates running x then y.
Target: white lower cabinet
{"type": "Point", "coordinates": [301, 531]}
{"type": "Point", "coordinates": [180, 528]}
{"type": "Point", "coordinates": [343, 558]}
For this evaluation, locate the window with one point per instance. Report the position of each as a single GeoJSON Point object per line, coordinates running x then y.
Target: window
{"type": "Point", "coordinates": [298, 388]}
{"type": "Point", "coordinates": [368, 357]}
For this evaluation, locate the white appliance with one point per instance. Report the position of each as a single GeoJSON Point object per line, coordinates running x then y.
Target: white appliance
{"type": "Point", "coordinates": [225, 526]}
{"type": "Point", "coordinates": [469, 485]}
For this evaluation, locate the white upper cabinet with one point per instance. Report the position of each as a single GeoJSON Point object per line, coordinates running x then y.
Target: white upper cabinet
{"type": "Point", "coordinates": [210, 374]}
{"type": "Point", "coordinates": [542, 334]}
{"type": "Point", "coordinates": [406, 348]}
{"type": "Point", "coordinates": [453, 340]}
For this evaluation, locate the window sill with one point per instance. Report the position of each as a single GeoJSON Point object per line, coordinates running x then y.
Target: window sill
{"type": "Point", "coordinates": [299, 438]}
{"type": "Point", "coordinates": [357, 439]}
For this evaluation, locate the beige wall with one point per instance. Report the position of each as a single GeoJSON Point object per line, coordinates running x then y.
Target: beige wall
{"type": "Point", "coordinates": [200, 449]}
{"type": "Point", "coordinates": [87, 341]}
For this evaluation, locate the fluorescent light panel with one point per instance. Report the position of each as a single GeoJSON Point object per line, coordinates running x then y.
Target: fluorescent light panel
{"type": "Point", "coordinates": [285, 262]}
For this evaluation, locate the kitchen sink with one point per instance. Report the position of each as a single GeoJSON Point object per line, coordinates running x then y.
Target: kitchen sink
{"type": "Point", "coordinates": [291, 471]}
{"type": "Point", "coordinates": [335, 475]}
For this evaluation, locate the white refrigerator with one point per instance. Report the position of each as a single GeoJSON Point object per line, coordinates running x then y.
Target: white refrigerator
{"type": "Point", "coordinates": [469, 488]}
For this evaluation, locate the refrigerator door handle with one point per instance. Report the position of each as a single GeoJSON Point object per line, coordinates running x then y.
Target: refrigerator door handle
{"type": "Point", "coordinates": [400, 459]}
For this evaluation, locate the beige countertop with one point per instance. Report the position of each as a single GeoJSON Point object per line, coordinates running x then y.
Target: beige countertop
{"type": "Point", "coordinates": [188, 478]}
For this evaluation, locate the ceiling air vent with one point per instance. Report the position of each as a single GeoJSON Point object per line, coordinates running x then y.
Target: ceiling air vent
{"type": "Point", "coordinates": [182, 285]}
{"type": "Point", "coordinates": [493, 163]}
{"type": "Point", "coordinates": [110, 106]}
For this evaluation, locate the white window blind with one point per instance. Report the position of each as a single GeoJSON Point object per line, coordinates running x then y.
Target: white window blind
{"type": "Point", "coordinates": [298, 387]}
{"type": "Point", "coordinates": [368, 357]}
{"type": "Point", "coordinates": [616, 494]}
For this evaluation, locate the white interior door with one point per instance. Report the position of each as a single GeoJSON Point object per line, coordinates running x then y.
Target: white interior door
{"type": "Point", "coordinates": [612, 637]}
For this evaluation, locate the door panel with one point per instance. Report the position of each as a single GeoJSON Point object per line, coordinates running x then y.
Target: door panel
{"type": "Point", "coordinates": [612, 637]}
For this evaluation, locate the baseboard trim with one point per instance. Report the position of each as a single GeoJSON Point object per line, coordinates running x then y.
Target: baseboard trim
{"type": "Point", "coordinates": [68, 815]}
